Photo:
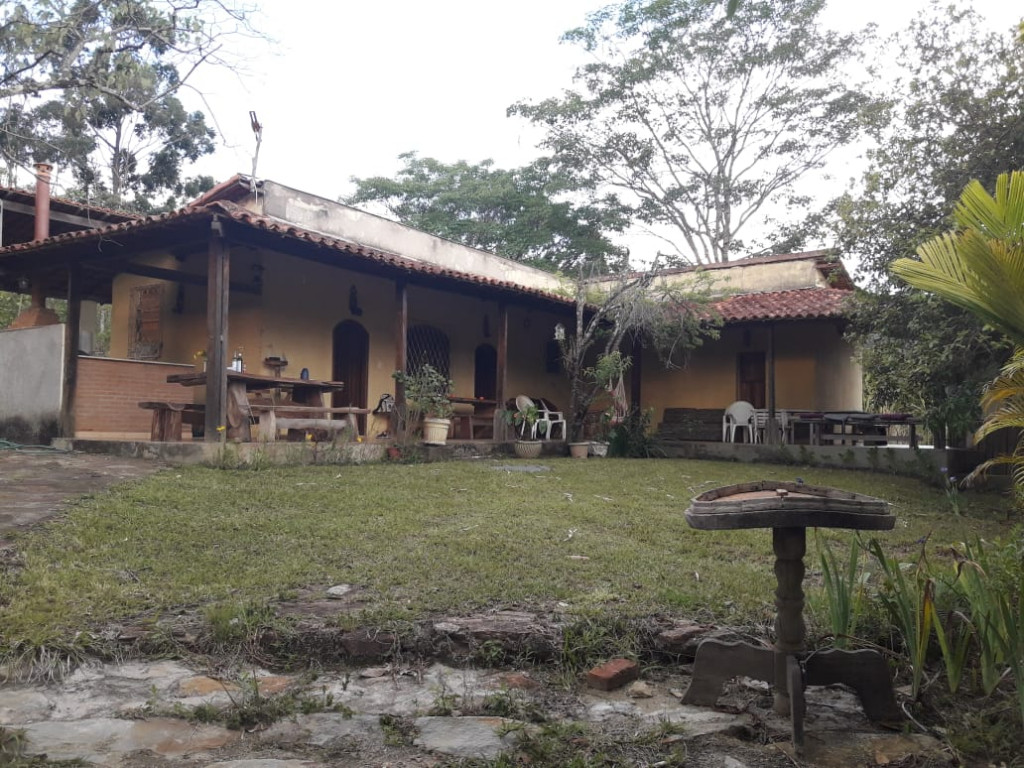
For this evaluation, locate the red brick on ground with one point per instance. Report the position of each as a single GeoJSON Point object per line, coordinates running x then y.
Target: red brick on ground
{"type": "Point", "coordinates": [613, 674]}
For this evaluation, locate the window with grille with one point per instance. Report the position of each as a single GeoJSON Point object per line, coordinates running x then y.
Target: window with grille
{"type": "Point", "coordinates": [145, 335]}
{"type": "Point", "coordinates": [426, 345]}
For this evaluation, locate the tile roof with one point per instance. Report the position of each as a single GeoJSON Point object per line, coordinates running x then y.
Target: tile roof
{"type": "Point", "coordinates": [799, 304]}
{"type": "Point", "coordinates": [67, 205]}
{"type": "Point", "coordinates": [280, 228]}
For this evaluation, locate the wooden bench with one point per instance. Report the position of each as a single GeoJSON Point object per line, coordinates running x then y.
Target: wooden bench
{"type": "Point", "coordinates": [691, 424]}
{"type": "Point", "coordinates": [169, 417]}
{"type": "Point", "coordinates": [304, 418]}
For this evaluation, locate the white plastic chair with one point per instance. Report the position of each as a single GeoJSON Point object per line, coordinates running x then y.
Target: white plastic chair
{"type": "Point", "coordinates": [523, 403]}
{"type": "Point", "coordinates": [739, 415]}
{"type": "Point", "coordinates": [761, 425]}
{"type": "Point", "coordinates": [549, 413]}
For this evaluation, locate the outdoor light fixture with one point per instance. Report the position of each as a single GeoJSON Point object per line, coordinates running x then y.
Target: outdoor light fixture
{"type": "Point", "coordinates": [24, 284]}
{"type": "Point", "coordinates": [559, 332]}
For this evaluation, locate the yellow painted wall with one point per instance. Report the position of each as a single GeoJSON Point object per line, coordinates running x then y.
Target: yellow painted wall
{"type": "Point", "coordinates": [303, 301]}
{"type": "Point", "coordinates": [528, 333]}
{"type": "Point", "coordinates": [814, 370]}
{"type": "Point", "coordinates": [183, 323]}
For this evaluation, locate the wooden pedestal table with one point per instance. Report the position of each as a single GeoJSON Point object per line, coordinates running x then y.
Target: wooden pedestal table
{"type": "Point", "coordinates": [789, 509]}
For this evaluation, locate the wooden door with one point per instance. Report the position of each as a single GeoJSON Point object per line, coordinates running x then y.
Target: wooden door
{"type": "Point", "coordinates": [750, 371]}
{"type": "Point", "coordinates": [351, 365]}
{"type": "Point", "coordinates": [485, 375]}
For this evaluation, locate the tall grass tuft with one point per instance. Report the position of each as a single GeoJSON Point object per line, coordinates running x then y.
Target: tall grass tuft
{"type": "Point", "coordinates": [844, 588]}
{"type": "Point", "coordinates": [910, 602]}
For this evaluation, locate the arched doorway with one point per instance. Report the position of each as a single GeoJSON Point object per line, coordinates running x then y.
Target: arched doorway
{"type": "Point", "coordinates": [351, 353]}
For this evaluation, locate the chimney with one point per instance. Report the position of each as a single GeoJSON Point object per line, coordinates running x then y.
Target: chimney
{"type": "Point", "coordinates": [43, 171]}
{"type": "Point", "coordinates": [37, 313]}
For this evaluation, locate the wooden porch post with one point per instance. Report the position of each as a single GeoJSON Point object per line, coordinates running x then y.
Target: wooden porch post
{"type": "Point", "coordinates": [773, 436]}
{"type": "Point", "coordinates": [401, 352]}
{"type": "Point", "coordinates": [218, 272]}
{"type": "Point", "coordinates": [72, 327]}
{"type": "Point", "coordinates": [636, 372]}
{"type": "Point", "coordinates": [500, 432]}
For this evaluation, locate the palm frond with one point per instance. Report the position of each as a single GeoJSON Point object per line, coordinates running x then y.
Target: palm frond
{"type": "Point", "coordinates": [979, 267]}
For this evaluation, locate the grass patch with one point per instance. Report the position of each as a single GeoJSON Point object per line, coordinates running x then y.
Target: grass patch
{"type": "Point", "coordinates": [601, 537]}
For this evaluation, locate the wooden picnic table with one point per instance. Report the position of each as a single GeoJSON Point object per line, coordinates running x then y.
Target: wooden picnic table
{"type": "Point", "coordinates": [240, 411]}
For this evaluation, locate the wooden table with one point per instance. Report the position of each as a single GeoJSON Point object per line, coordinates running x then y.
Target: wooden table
{"type": "Point", "coordinates": [483, 415]}
{"type": "Point", "coordinates": [304, 392]}
{"type": "Point", "coordinates": [853, 427]}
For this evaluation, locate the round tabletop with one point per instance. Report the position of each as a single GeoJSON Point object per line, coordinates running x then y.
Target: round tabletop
{"type": "Point", "coordinates": [776, 504]}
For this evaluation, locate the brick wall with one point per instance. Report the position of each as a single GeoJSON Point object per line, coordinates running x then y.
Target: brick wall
{"type": "Point", "coordinates": [109, 393]}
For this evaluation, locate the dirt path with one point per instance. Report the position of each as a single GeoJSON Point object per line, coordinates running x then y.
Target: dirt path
{"type": "Point", "coordinates": [35, 484]}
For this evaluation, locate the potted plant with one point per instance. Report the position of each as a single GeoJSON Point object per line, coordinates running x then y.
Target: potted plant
{"type": "Point", "coordinates": [522, 422]}
{"type": "Point", "coordinates": [426, 392]}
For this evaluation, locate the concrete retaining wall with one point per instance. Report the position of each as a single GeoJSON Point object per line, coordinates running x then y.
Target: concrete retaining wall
{"type": "Point", "coordinates": [31, 382]}
{"type": "Point", "coordinates": [925, 463]}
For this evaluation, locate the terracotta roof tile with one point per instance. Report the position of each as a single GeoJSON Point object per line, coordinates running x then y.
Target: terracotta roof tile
{"type": "Point", "coordinates": [67, 205]}
{"type": "Point", "coordinates": [268, 224]}
{"type": "Point", "coordinates": [800, 304]}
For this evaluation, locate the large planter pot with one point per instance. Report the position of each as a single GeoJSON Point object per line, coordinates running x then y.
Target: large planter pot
{"type": "Point", "coordinates": [579, 450]}
{"type": "Point", "coordinates": [435, 431]}
{"type": "Point", "coordinates": [528, 449]}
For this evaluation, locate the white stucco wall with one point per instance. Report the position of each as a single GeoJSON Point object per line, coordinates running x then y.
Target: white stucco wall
{"type": "Point", "coordinates": [740, 277]}
{"type": "Point", "coordinates": [332, 218]}
{"type": "Point", "coordinates": [31, 376]}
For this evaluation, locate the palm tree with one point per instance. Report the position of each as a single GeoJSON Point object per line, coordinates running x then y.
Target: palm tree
{"type": "Point", "coordinates": [980, 267]}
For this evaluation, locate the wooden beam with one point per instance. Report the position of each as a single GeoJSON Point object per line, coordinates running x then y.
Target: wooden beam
{"type": "Point", "coordinates": [171, 275]}
{"type": "Point", "coordinates": [66, 218]}
{"type": "Point", "coordinates": [72, 326]}
{"type": "Point", "coordinates": [773, 436]}
{"type": "Point", "coordinates": [401, 351]}
{"type": "Point", "coordinates": [218, 273]}
{"type": "Point", "coordinates": [501, 383]}
{"type": "Point", "coordinates": [636, 372]}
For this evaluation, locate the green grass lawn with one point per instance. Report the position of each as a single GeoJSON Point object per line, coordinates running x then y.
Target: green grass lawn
{"type": "Point", "coordinates": [598, 536]}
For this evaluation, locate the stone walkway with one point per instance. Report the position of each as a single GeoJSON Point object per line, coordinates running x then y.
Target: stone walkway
{"type": "Point", "coordinates": [161, 713]}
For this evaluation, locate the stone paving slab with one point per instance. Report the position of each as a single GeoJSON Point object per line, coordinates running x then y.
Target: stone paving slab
{"type": "Point", "coordinates": [105, 741]}
{"type": "Point", "coordinates": [325, 729]}
{"type": "Point", "coordinates": [470, 737]}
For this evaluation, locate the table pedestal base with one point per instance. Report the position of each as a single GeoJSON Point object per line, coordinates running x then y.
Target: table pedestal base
{"type": "Point", "coordinates": [865, 671]}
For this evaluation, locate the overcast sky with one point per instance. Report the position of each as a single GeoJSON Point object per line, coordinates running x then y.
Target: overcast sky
{"type": "Point", "coordinates": [349, 84]}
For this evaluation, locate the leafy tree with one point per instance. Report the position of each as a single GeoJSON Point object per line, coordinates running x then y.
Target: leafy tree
{"type": "Point", "coordinates": [92, 84]}
{"type": "Point", "coordinates": [704, 119]}
{"type": "Point", "coordinates": [955, 111]}
{"type": "Point", "coordinates": [59, 46]}
{"type": "Point", "coordinates": [675, 319]}
{"type": "Point", "coordinates": [119, 157]}
{"type": "Point", "coordinates": [926, 356]}
{"type": "Point", "coordinates": [524, 214]}
{"type": "Point", "coordinates": [980, 267]}
{"type": "Point", "coordinates": [10, 305]}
